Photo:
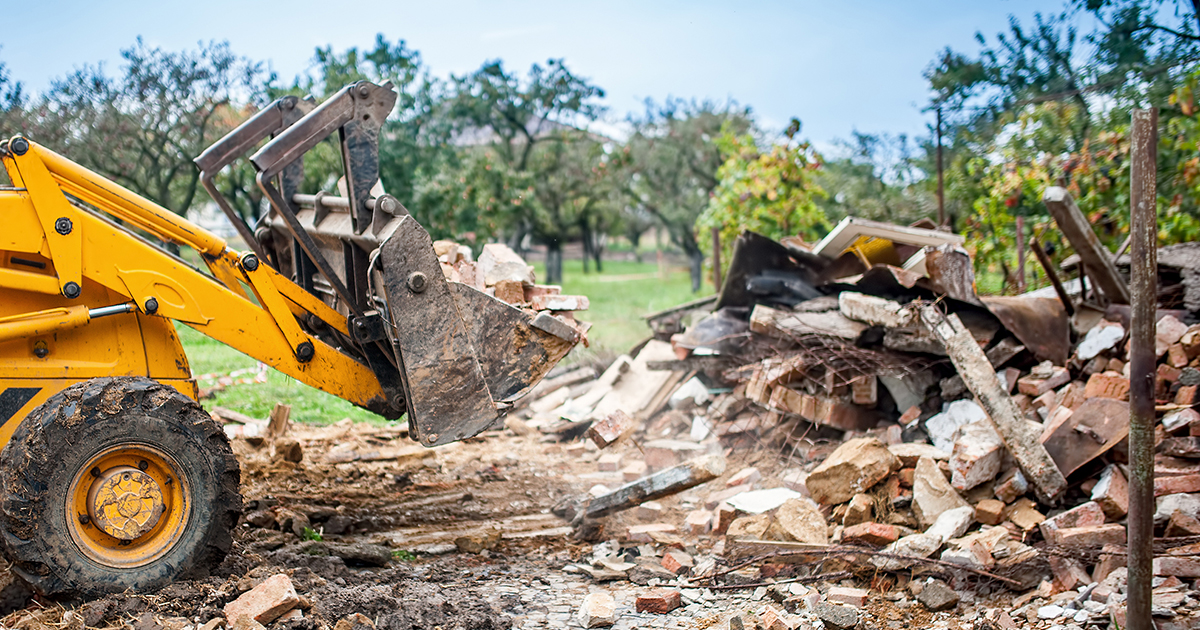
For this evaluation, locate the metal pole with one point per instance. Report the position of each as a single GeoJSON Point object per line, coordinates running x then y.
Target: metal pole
{"type": "Point", "coordinates": [716, 245]}
{"type": "Point", "coordinates": [1020, 254]}
{"type": "Point", "coordinates": [941, 191]}
{"type": "Point", "coordinates": [1144, 297]}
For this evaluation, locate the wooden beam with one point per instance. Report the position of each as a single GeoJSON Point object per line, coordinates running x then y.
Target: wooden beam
{"type": "Point", "coordinates": [1083, 238]}
{"type": "Point", "coordinates": [980, 377]}
{"type": "Point", "coordinates": [660, 484]}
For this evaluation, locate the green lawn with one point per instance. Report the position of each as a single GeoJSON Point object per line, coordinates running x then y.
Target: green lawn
{"type": "Point", "coordinates": [618, 302]}
{"type": "Point", "coordinates": [617, 307]}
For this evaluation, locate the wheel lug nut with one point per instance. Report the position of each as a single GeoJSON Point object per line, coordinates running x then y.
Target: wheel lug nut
{"type": "Point", "coordinates": [96, 471]}
{"type": "Point", "coordinates": [84, 519]}
{"type": "Point", "coordinates": [143, 465]}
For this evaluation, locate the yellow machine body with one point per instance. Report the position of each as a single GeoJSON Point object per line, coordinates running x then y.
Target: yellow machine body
{"type": "Point", "coordinates": [51, 247]}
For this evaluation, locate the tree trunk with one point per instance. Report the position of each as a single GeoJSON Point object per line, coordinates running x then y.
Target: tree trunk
{"type": "Point", "coordinates": [598, 253]}
{"type": "Point", "coordinates": [554, 262]}
{"type": "Point", "coordinates": [587, 247]}
{"type": "Point", "coordinates": [697, 260]}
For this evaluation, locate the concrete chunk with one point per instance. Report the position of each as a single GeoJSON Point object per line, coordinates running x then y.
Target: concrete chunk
{"type": "Point", "coordinates": [799, 520]}
{"type": "Point", "coordinates": [977, 455]}
{"type": "Point", "coordinates": [599, 610]}
{"type": "Point", "coordinates": [873, 310]}
{"type": "Point", "coordinates": [932, 494]}
{"type": "Point", "coordinates": [856, 466]}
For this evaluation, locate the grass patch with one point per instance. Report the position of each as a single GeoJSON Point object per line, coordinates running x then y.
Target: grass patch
{"type": "Point", "coordinates": [621, 295]}
{"type": "Point", "coordinates": [311, 405]}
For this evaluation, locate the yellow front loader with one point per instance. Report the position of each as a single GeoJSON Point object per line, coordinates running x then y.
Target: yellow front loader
{"type": "Point", "coordinates": [112, 477]}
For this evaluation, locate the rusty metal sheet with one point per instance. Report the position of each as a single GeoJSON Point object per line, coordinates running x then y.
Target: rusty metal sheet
{"type": "Point", "coordinates": [1040, 323]}
{"type": "Point", "coordinates": [1095, 427]}
{"type": "Point", "coordinates": [448, 398]}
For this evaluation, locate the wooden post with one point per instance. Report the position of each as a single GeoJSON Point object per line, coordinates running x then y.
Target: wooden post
{"type": "Point", "coordinates": [1083, 238]}
{"type": "Point", "coordinates": [660, 484]}
{"type": "Point", "coordinates": [1048, 267]}
{"type": "Point", "coordinates": [278, 424]}
{"type": "Point", "coordinates": [1020, 254]}
{"type": "Point", "coordinates": [716, 249]}
{"type": "Point", "coordinates": [1143, 153]}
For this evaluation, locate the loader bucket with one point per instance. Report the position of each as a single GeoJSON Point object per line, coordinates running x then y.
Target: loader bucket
{"type": "Point", "coordinates": [464, 353]}
{"type": "Point", "coordinates": [451, 357]}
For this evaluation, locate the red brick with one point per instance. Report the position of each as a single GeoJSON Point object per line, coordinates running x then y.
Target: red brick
{"type": "Point", "coordinates": [264, 603]}
{"type": "Point", "coordinates": [1111, 557]}
{"type": "Point", "coordinates": [1068, 572]}
{"type": "Point", "coordinates": [1177, 356]}
{"type": "Point", "coordinates": [607, 431]}
{"type": "Point", "coordinates": [1112, 493]}
{"type": "Point", "coordinates": [659, 601]}
{"type": "Point", "coordinates": [907, 417]}
{"type": "Point", "coordinates": [1183, 484]}
{"type": "Point", "coordinates": [725, 514]}
{"type": "Point", "coordinates": [856, 597]}
{"type": "Point", "coordinates": [1179, 566]}
{"type": "Point", "coordinates": [677, 562]}
{"type": "Point", "coordinates": [698, 522]}
{"type": "Point", "coordinates": [878, 534]}
{"type": "Point", "coordinates": [1168, 373]}
{"type": "Point", "coordinates": [989, 511]}
{"type": "Point", "coordinates": [1181, 525]}
{"type": "Point", "coordinates": [1186, 395]}
{"type": "Point", "coordinates": [1084, 515]}
{"type": "Point", "coordinates": [905, 475]}
{"type": "Point", "coordinates": [541, 289]}
{"type": "Point", "coordinates": [1107, 385]}
{"type": "Point", "coordinates": [1095, 536]}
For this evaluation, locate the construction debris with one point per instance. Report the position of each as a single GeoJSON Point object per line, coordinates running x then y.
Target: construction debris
{"type": "Point", "coordinates": [936, 429]}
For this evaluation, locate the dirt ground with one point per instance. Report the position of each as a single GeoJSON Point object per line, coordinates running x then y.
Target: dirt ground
{"type": "Point", "coordinates": [466, 540]}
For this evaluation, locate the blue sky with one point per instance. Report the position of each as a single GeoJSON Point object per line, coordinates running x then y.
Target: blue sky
{"type": "Point", "coordinates": [838, 66]}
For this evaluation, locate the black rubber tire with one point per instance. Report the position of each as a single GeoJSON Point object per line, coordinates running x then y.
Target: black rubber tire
{"type": "Point", "coordinates": [63, 434]}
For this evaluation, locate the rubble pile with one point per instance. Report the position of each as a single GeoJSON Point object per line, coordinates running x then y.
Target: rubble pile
{"type": "Point", "coordinates": [503, 274]}
{"type": "Point", "coordinates": [927, 430]}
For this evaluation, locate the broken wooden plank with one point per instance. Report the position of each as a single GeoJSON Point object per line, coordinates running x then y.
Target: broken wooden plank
{"type": "Point", "coordinates": [277, 425]}
{"type": "Point", "coordinates": [660, 484]}
{"type": "Point", "coordinates": [1079, 233]}
{"type": "Point", "coordinates": [980, 377]}
{"type": "Point", "coordinates": [1087, 433]}
{"type": "Point", "coordinates": [1048, 267]}
{"type": "Point", "coordinates": [784, 325]}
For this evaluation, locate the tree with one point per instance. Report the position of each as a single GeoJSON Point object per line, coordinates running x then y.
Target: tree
{"type": "Point", "coordinates": [143, 128]}
{"type": "Point", "coordinates": [771, 191]}
{"type": "Point", "coordinates": [880, 177]}
{"type": "Point", "coordinates": [1037, 107]}
{"type": "Point", "coordinates": [527, 129]}
{"type": "Point", "coordinates": [671, 162]}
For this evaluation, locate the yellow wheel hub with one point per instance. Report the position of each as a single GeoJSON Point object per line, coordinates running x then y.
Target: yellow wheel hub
{"type": "Point", "coordinates": [128, 505]}
{"type": "Point", "coordinates": [125, 502]}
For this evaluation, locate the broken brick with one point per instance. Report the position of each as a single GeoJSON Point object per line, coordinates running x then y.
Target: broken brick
{"type": "Point", "coordinates": [989, 511]}
{"type": "Point", "coordinates": [641, 533]}
{"type": "Point", "coordinates": [1068, 572]}
{"type": "Point", "coordinates": [1186, 395]}
{"type": "Point", "coordinates": [1178, 566]}
{"type": "Point", "coordinates": [1107, 385]}
{"type": "Point", "coordinates": [659, 601]}
{"type": "Point", "coordinates": [1177, 356]}
{"type": "Point", "coordinates": [609, 429]}
{"type": "Point", "coordinates": [677, 562]}
{"type": "Point", "coordinates": [1112, 493]}
{"type": "Point", "coordinates": [1091, 536]}
{"type": "Point", "coordinates": [745, 476]}
{"type": "Point", "coordinates": [877, 534]}
{"type": "Point", "coordinates": [1181, 524]}
{"type": "Point", "coordinates": [1084, 515]}
{"type": "Point", "coordinates": [698, 522]}
{"type": "Point", "coordinates": [1033, 385]}
{"type": "Point", "coordinates": [1181, 484]}
{"type": "Point", "coordinates": [856, 597]}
